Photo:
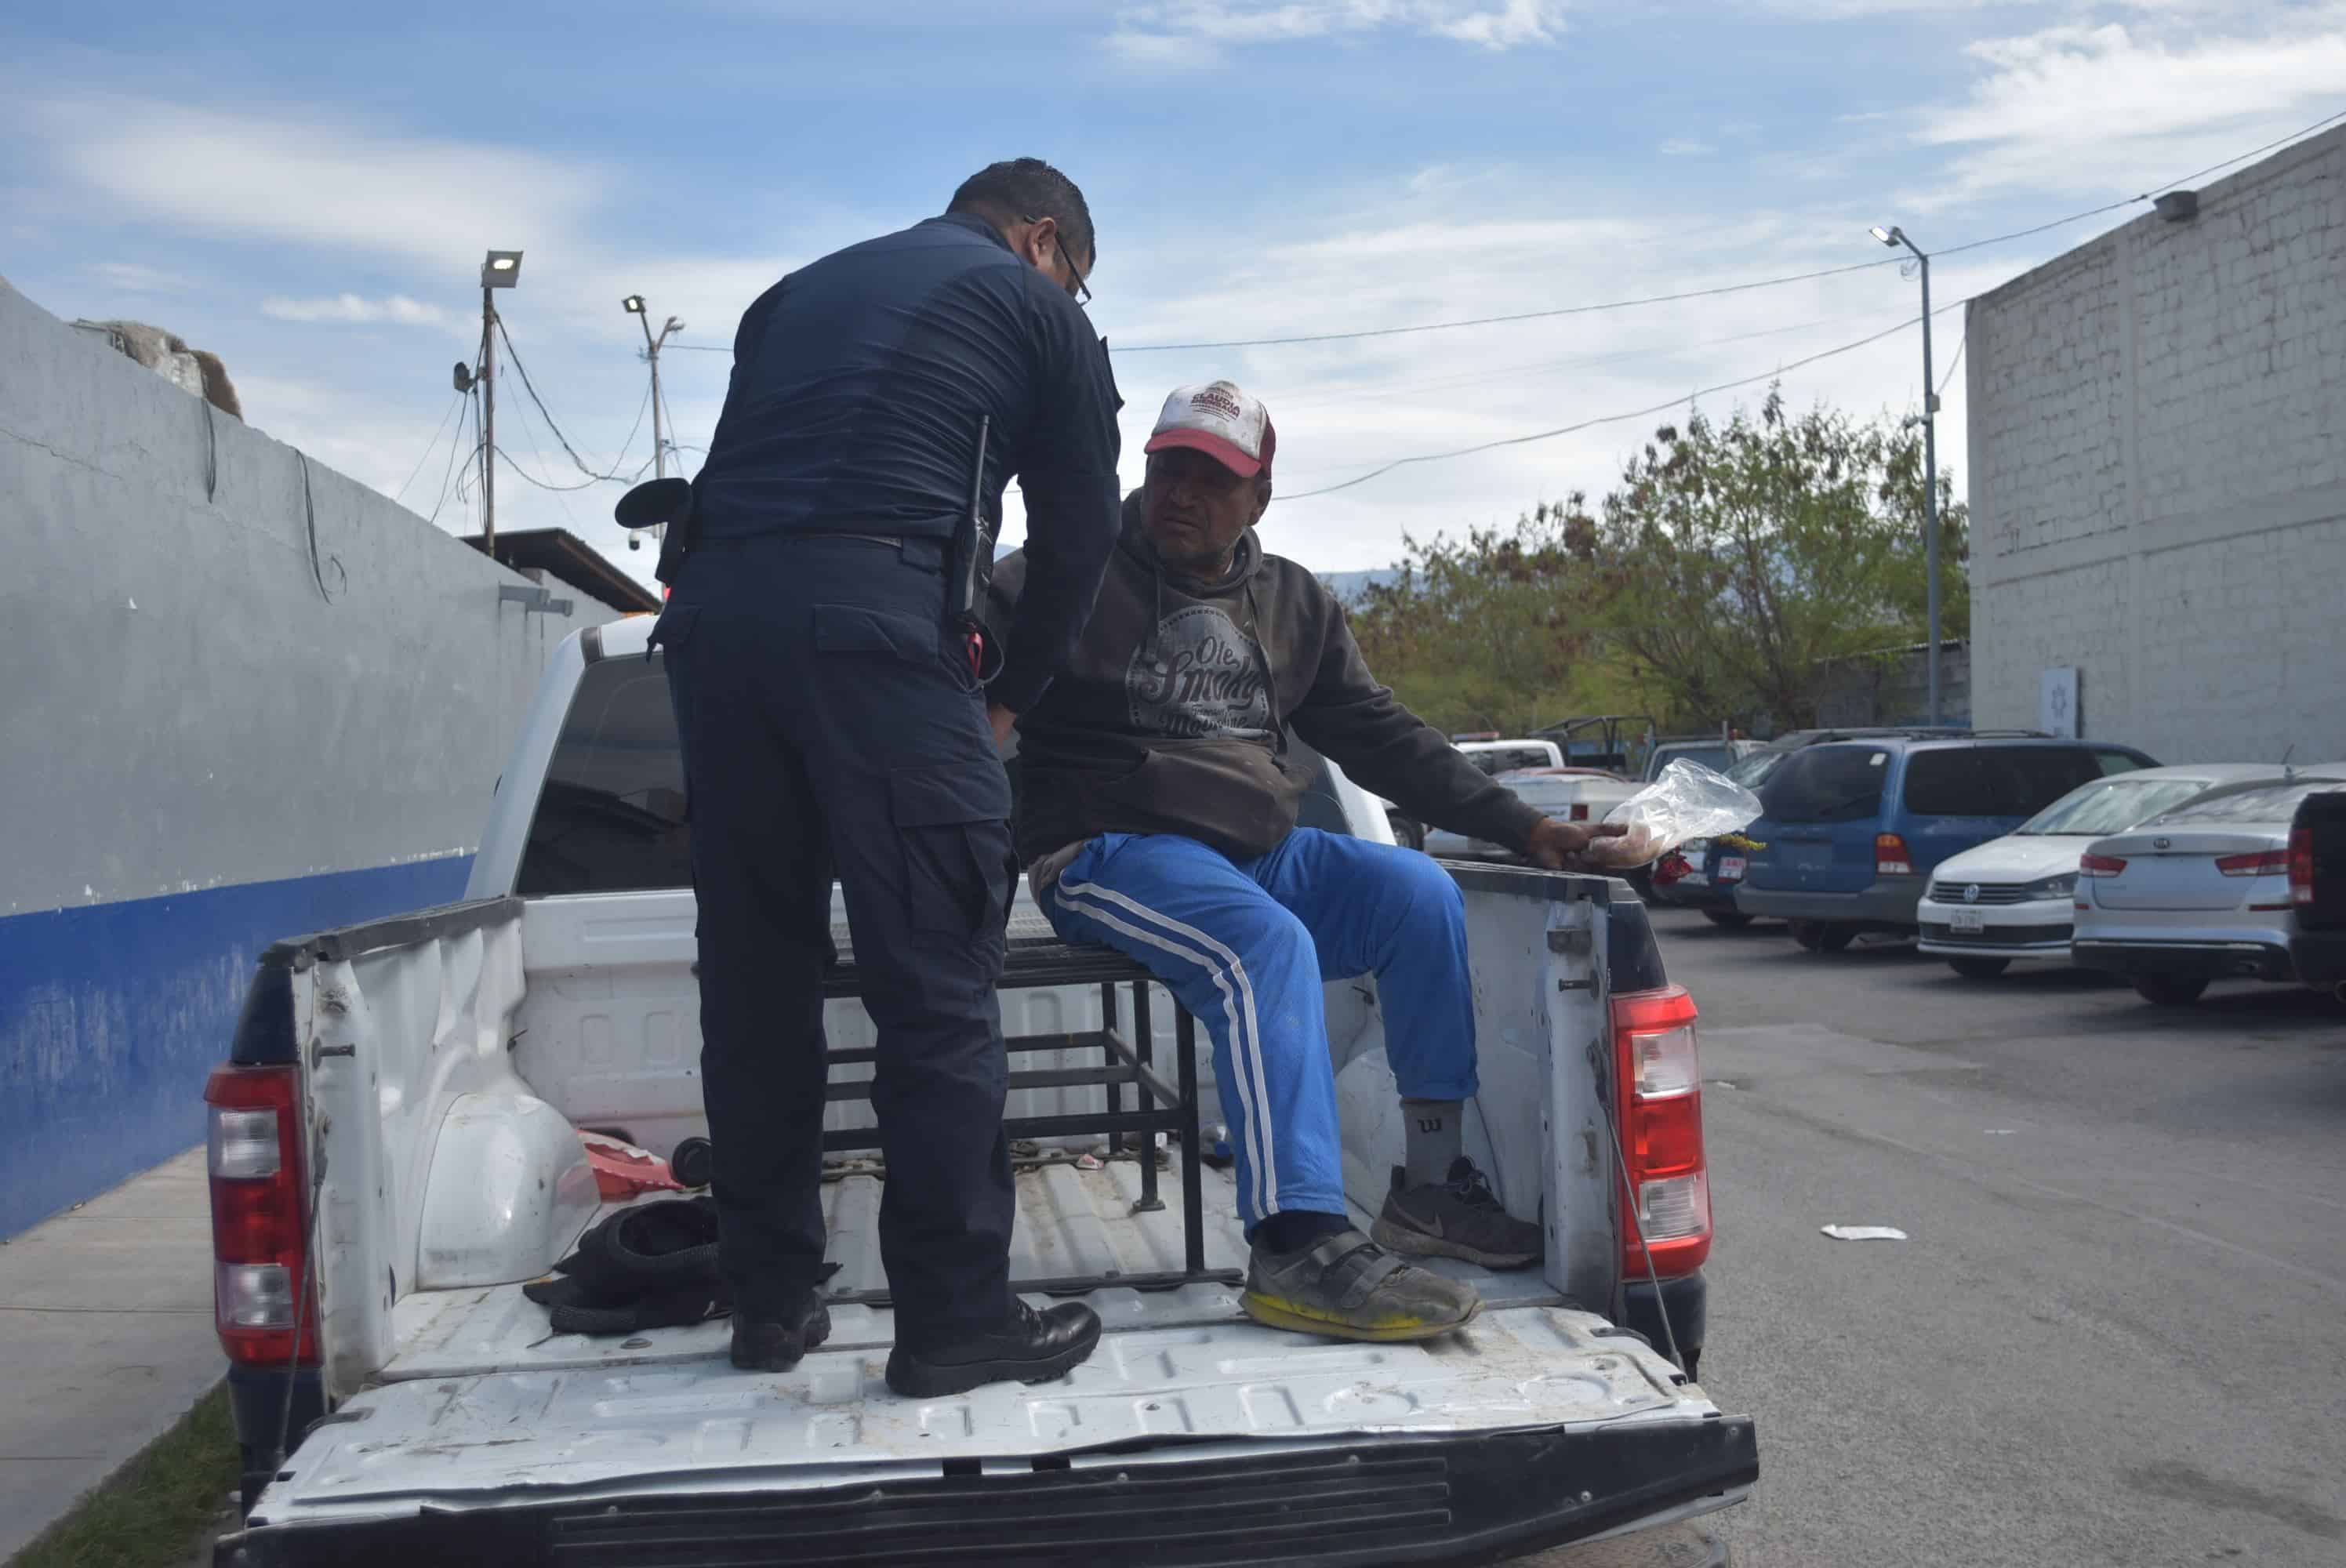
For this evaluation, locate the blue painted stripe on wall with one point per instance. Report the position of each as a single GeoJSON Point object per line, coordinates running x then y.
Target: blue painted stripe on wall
{"type": "Point", "coordinates": [111, 1015]}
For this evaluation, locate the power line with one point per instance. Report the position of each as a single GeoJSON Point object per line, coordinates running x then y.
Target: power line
{"type": "Point", "coordinates": [633, 428]}
{"type": "Point", "coordinates": [560, 500]}
{"type": "Point", "coordinates": [1378, 390]}
{"type": "Point", "coordinates": [1520, 316]}
{"type": "Point", "coordinates": [401, 493]}
{"type": "Point", "coordinates": [514, 354]}
{"type": "Point", "coordinates": [2259, 152]}
{"type": "Point", "coordinates": [1953, 365]}
{"type": "Point", "coordinates": [454, 447]}
{"type": "Point", "coordinates": [1617, 418]}
{"type": "Point", "coordinates": [1729, 287]}
{"type": "Point", "coordinates": [543, 484]}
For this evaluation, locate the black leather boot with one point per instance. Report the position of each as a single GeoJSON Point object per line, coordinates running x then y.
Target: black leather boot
{"type": "Point", "coordinates": [1033, 1348]}
{"type": "Point", "coordinates": [775, 1344]}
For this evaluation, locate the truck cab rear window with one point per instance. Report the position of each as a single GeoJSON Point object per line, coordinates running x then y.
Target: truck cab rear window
{"type": "Point", "coordinates": [611, 818]}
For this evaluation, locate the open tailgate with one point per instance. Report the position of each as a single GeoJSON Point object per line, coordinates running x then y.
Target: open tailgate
{"type": "Point", "coordinates": [1219, 1444]}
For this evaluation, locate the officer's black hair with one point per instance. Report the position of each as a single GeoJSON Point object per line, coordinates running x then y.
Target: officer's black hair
{"type": "Point", "coordinates": [1023, 187]}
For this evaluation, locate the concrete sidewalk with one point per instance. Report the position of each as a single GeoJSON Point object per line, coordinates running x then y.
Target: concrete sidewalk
{"type": "Point", "coordinates": [105, 1340]}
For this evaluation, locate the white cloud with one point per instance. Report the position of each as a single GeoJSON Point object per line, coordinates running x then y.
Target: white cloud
{"type": "Point", "coordinates": [1164, 51]}
{"type": "Point", "coordinates": [396, 308]}
{"type": "Point", "coordinates": [1686, 146]}
{"type": "Point", "coordinates": [1516, 22]}
{"type": "Point", "coordinates": [135, 278]}
{"type": "Point", "coordinates": [2081, 109]}
{"type": "Point", "coordinates": [1186, 32]}
{"type": "Point", "coordinates": [311, 180]}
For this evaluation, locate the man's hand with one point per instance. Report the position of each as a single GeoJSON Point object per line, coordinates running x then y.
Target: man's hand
{"type": "Point", "coordinates": [1002, 719]}
{"type": "Point", "coordinates": [1554, 843]}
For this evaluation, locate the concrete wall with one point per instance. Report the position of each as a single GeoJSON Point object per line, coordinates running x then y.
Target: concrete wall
{"type": "Point", "coordinates": [2159, 473]}
{"type": "Point", "coordinates": [202, 749]}
{"type": "Point", "coordinates": [1894, 688]}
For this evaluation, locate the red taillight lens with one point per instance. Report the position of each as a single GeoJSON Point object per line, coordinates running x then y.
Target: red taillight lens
{"type": "Point", "coordinates": [1580, 811]}
{"type": "Point", "coordinates": [1660, 1075]}
{"type": "Point", "coordinates": [2265, 863]}
{"type": "Point", "coordinates": [258, 1216]}
{"type": "Point", "coordinates": [2100, 866]}
{"type": "Point", "coordinates": [1889, 856]}
{"type": "Point", "coordinates": [2300, 866]}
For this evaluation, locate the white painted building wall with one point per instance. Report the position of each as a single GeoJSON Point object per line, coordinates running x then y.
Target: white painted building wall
{"type": "Point", "coordinates": [243, 697]}
{"type": "Point", "coordinates": [2159, 474]}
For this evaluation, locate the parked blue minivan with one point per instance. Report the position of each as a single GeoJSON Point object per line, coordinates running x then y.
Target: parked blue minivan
{"type": "Point", "coordinates": [1851, 829]}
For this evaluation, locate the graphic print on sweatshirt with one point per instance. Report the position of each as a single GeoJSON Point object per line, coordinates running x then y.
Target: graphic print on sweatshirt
{"type": "Point", "coordinates": [1200, 676]}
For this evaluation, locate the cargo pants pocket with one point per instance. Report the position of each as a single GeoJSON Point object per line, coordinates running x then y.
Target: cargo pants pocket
{"type": "Point", "coordinates": [959, 870]}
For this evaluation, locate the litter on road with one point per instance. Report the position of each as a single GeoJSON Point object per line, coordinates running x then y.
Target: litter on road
{"type": "Point", "coordinates": [1865, 1232]}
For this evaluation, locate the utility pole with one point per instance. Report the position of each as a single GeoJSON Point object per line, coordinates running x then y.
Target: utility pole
{"type": "Point", "coordinates": [634, 305]}
{"type": "Point", "coordinates": [488, 422]}
{"type": "Point", "coordinates": [500, 270]}
{"type": "Point", "coordinates": [1895, 237]}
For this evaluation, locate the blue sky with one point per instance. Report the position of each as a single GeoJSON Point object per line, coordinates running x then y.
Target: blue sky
{"type": "Point", "coordinates": [308, 191]}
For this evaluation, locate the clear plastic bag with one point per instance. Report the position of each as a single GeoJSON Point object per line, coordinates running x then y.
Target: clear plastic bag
{"type": "Point", "coordinates": [1688, 801]}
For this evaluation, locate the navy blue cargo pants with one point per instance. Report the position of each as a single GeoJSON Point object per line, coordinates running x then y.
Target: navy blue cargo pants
{"type": "Point", "coordinates": [831, 727]}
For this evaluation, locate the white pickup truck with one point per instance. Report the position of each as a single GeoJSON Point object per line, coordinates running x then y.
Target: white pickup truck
{"type": "Point", "coordinates": [394, 1152]}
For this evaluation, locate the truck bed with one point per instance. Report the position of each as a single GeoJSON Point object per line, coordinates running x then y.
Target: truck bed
{"type": "Point", "coordinates": [483, 1408]}
{"type": "Point", "coordinates": [1071, 1221]}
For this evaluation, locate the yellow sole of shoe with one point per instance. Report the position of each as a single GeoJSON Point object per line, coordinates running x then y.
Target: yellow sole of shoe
{"type": "Point", "coordinates": [1282, 1315]}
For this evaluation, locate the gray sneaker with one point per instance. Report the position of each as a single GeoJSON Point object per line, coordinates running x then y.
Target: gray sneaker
{"type": "Point", "coordinates": [1455, 1218]}
{"type": "Point", "coordinates": [1347, 1286]}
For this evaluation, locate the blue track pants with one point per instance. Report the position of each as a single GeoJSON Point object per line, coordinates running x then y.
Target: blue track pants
{"type": "Point", "coordinates": [1245, 946]}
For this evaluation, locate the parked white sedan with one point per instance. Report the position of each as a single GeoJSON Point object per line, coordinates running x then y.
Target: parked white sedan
{"type": "Point", "coordinates": [1573, 794]}
{"type": "Point", "coordinates": [2199, 893]}
{"type": "Point", "coordinates": [2011, 897]}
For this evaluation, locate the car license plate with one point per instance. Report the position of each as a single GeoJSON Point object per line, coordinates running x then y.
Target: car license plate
{"type": "Point", "coordinates": [1730, 869]}
{"type": "Point", "coordinates": [1965, 922]}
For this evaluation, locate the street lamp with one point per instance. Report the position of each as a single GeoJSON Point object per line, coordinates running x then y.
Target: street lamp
{"type": "Point", "coordinates": [634, 305]}
{"type": "Point", "coordinates": [1895, 237]}
{"type": "Point", "coordinates": [499, 270]}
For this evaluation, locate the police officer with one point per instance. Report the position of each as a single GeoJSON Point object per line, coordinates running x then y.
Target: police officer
{"type": "Point", "coordinates": [833, 722]}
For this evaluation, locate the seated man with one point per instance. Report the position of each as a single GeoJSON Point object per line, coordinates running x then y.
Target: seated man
{"type": "Point", "coordinates": [1157, 817]}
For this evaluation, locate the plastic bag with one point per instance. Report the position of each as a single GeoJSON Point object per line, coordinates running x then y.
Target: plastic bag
{"type": "Point", "coordinates": [1688, 801]}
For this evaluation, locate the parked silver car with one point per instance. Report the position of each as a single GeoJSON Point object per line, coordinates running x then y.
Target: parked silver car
{"type": "Point", "coordinates": [2200, 893]}
{"type": "Point", "coordinates": [2011, 897]}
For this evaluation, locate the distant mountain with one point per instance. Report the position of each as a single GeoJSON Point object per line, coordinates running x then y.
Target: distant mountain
{"type": "Point", "coordinates": [1351, 587]}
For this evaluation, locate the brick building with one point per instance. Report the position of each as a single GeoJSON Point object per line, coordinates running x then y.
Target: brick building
{"type": "Point", "coordinates": [2158, 473]}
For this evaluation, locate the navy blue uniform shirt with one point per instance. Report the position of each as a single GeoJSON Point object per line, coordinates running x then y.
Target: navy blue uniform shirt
{"type": "Point", "coordinates": [858, 384]}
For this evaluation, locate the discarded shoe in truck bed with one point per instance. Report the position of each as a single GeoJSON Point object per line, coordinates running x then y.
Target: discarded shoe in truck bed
{"type": "Point", "coordinates": [650, 1267]}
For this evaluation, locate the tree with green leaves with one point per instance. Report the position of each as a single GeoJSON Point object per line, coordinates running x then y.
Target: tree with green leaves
{"type": "Point", "coordinates": [1730, 564]}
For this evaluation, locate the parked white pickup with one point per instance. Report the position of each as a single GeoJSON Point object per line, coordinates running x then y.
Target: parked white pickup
{"type": "Point", "coordinates": [394, 1154]}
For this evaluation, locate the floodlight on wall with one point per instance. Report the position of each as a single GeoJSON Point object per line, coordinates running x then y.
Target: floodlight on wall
{"type": "Point", "coordinates": [2179, 206]}
{"type": "Point", "coordinates": [502, 270]}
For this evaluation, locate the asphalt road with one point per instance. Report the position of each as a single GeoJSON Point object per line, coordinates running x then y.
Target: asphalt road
{"type": "Point", "coordinates": [2117, 1333]}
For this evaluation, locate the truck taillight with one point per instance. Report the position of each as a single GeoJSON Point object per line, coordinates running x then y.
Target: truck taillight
{"type": "Point", "coordinates": [2300, 866]}
{"type": "Point", "coordinates": [1580, 811]}
{"type": "Point", "coordinates": [1889, 856]}
{"type": "Point", "coordinates": [258, 1217]}
{"type": "Point", "coordinates": [1660, 1074]}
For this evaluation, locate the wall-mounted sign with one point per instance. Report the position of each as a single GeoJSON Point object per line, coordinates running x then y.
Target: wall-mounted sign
{"type": "Point", "coordinates": [2056, 701]}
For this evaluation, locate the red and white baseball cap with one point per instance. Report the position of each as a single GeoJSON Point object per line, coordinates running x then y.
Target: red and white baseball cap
{"type": "Point", "coordinates": [1221, 422]}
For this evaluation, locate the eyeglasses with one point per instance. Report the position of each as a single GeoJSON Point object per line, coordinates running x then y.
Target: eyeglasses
{"type": "Point", "coordinates": [1082, 290]}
